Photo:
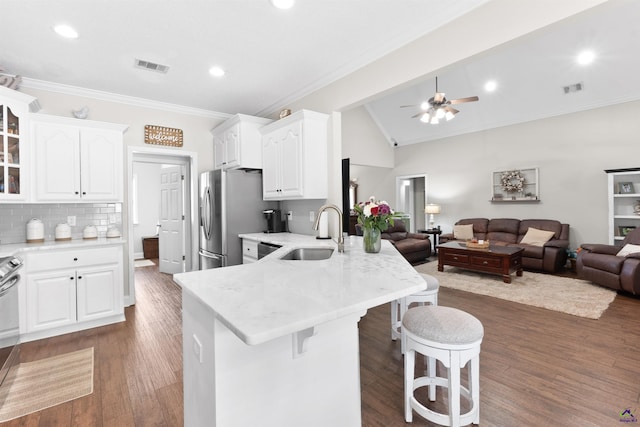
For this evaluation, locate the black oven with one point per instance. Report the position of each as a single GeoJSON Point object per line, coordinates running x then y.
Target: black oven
{"type": "Point", "coordinates": [9, 314]}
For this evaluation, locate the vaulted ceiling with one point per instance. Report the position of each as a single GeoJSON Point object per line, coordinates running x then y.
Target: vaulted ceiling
{"type": "Point", "coordinates": [530, 75]}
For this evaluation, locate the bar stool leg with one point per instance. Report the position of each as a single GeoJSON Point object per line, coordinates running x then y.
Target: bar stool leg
{"type": "Point", "coordinates": [454, 388]}
{"type": "Point", "coordinates": [474, 385]}
{"type": "Point", "coordinates": [409, 366]}
{"type": "Point", "coordinates": [431, 372]}
{"type": "Point", "coordinates": [394, 319]}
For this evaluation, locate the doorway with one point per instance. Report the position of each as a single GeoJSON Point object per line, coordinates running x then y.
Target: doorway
{"type": "Point", "coordinates": [411, 198]}
{"type": "Point", "coordinates": [175, 186]}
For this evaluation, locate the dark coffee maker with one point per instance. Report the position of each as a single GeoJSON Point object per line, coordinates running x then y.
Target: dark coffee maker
{"type": "Point", "coordinates": [274, 221]}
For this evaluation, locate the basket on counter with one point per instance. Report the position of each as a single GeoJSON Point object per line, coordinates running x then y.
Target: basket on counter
{"type": "Point", "coordinates": [476, 245]}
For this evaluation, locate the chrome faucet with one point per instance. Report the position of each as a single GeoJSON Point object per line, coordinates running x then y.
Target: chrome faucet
{"type": "Point", "coordinates": [317, 223]}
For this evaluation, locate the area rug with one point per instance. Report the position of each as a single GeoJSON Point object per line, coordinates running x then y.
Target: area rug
{"type": "Point", "coordinates": [564, 294]}
{"type": "Point", "coordinates": [143, 263]}
{"type": "Point", "coordinates": [34, 386]}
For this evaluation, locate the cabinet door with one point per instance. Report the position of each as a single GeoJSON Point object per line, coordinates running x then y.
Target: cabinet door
{"type": "Point", "coordinates": [291, 170]}
{"type": "Point", "coordinates": [101, 165]}
{"type": "Point", "coordinates": [271, 160]}
{"type": "Point", "coordinates": [98, 292]}
{"type": "Point", "coordinates": [12, 153]}
{"type": "Point", "coordinates": [232, 146]}
{"type": "Point", "coordinates": [51, 299]}
{"type": "Point", "coordinates": [219, 152]}
{"type": "Point", "coordinates": [57, 150]}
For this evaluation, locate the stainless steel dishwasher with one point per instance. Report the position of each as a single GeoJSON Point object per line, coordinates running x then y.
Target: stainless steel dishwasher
{"type": "Point", "coordinates": [265, 249]}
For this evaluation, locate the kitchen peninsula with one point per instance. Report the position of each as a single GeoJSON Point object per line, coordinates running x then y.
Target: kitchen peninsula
{"type": "Point", "coordinates": [275, 342]}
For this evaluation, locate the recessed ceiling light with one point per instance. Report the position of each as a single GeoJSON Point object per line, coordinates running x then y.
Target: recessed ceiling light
{"type": "Point", "coordinates": [490, 86]}
{"type": "Point", "coordinates": [216, 71]}
{"type": "Point", "coordinates": [586, 57]}
{"type": "Point", "coordinates": [66, 31]}
{"type": "Point", "coordinates": [283, 4]}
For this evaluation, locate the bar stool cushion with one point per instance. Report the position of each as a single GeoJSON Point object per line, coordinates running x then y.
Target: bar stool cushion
{"type": "Point", "coordinates": [445, 325]}
{"type": "Point", "coordinates": [432, 283]}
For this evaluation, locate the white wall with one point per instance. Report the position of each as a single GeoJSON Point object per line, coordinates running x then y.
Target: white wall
{"type": "Point", "coordinates": [362, 141]}
{"type": "Point", "coordinates": [571, 152]}
{"type": "Point", "coordinates": [374, 181]}
{"type": "Point", "coordinates": [148, 203]}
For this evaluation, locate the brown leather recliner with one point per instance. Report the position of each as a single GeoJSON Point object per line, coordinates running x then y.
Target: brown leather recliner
{"type": "Point", "coordinates": [599, 264]}
{"type": "Point", "coordinates": [414, 247]}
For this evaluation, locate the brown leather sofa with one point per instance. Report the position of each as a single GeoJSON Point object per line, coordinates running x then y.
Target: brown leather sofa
{"type": "Point", "coordinates": [551, 257]}
{"type": "Point", "coordinates": [599, 264]}
{"type": "Point", "coordinates": [415, 247]}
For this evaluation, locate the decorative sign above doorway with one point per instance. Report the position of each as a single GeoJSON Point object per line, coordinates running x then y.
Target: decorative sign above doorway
{"type": "Point", "coordinates": [160, 135]}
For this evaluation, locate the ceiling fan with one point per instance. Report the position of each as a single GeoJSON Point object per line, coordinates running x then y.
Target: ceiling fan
{"type": "Point", "coordinates": [438, 107]}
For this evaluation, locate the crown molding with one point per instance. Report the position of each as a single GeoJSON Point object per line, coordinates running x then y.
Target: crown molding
{"type": "Point", "coordinates": [121, 99]}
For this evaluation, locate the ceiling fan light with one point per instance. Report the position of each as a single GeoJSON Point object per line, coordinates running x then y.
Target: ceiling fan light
{"type": "Point", "coordinates": [440, 113]}
{"type": "Point", "coordinates": [424, 106]}
{"type": "Point", "coordinates": [425, 118]}
{"type": "Point", "coordinates": [434, 120]}
{"type": "Point", "coordinates": [449, 115]}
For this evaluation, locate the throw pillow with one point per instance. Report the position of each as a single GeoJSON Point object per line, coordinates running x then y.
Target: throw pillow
{"type": "Point", "coordinates": [628, 249]}
{"type": "Point", "coordinates": [535, 237]}
{"type": "Point", "coordinates": [463, 232]}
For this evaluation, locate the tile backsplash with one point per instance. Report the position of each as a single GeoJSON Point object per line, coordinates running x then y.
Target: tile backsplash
{"type": "Point", "coordinates": [14, 218]}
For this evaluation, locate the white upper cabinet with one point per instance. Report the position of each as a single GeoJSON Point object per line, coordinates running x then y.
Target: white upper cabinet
{"type": "Point", "coordinates": [237, 142]}
{"type": "Point", "coordinates": [77, 160]}
{"type": "Point", "coordinates": [14, 144]}
{"type": "Point", "coordinates": [294, 157]}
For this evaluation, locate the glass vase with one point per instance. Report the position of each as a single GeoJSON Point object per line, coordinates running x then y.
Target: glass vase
{"type": "Point", "coordinates": [371, 240]}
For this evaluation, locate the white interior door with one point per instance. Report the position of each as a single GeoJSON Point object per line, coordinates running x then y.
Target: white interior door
{"type": "Point", "coordinates": [171, 239]}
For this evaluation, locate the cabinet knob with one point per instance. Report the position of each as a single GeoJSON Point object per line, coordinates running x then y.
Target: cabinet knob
{"type": "Point", "coordinates": [75, 259]}
{"type": "Point", "coordinates": [79, 277]}
{"type": "Point", "coordinates": [71, 278]}
{"type": "Point", "coordinates": [84, 193]}
{"type": "Point", "coordinates": [77, 192]}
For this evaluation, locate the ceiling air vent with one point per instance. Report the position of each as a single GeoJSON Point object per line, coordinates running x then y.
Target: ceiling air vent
{"type": "Point", "coordinates": [151, 66]}
{"type": "Point", "coordinates": [573, 88]}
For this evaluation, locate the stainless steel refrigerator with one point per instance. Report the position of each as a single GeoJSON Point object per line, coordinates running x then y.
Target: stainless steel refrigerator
{"type": "Point", "coordinates": [230, 204]}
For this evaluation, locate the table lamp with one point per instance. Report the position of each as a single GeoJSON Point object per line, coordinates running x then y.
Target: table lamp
{"type": "Point", "coordinates": [432, 209]}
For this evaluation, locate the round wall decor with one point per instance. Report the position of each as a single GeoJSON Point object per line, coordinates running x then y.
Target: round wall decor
{"type": "Point", "coordinates": [512, 181]}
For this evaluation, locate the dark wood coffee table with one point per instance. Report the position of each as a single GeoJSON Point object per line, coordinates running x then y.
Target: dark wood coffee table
{"type": "Point", "coordinates": [502, 260]}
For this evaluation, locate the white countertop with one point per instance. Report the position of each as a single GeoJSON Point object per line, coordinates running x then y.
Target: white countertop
{"type": "Point", "coordinates": [273, 297]}
{"type": "Point", "coordinates": [15, 248]}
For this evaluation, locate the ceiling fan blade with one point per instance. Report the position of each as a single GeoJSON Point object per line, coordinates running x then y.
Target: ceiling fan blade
{"type": "Point", "coordinates": [417, 115]}
{"type": "Point", "coordinates": [407, 106]}
{"type": "Point", "coordinates": [450, 109]}
{"type": "Point", "coordinates": [438, 97]}
{"type": "Point", "coordinates": [463, 100]}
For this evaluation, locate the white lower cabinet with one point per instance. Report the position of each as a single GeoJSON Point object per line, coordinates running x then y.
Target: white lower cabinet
{"type": "Point", "coordinates": [249, 251]}
{"type": "Point", "coordinates": [71, 290]}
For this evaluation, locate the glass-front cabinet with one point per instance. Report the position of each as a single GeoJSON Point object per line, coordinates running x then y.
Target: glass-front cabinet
{"type": "Point", "coordinates": [14, 110]}
{"type": "Point", "coordinates": [9, 151]}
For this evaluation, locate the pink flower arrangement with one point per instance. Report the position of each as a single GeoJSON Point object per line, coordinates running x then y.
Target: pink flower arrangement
{"type": "Point", "coordinates": [375, 214]}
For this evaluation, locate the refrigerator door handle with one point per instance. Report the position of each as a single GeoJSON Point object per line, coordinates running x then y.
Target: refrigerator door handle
{"type": "Point", "coordinates": [205, 215]}
{"type": "Point", "coordinates": [221, 258]}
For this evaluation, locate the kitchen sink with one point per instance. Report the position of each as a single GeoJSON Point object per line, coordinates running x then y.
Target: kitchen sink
{"type": "Point", "coordinates": [308, 254]}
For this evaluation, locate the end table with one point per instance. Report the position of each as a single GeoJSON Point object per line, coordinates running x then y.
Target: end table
{"type": "Point", "coordinates": [435, 232]}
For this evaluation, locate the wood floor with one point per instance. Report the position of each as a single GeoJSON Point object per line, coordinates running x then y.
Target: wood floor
{"type": "Point", "coordinates": [537, 367]}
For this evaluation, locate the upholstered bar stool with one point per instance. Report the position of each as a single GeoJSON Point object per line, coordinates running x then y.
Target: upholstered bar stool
{"type": "Point", "coordinates": [400, 306]}
{"type": "Point", "coordinates": [453, 337]}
